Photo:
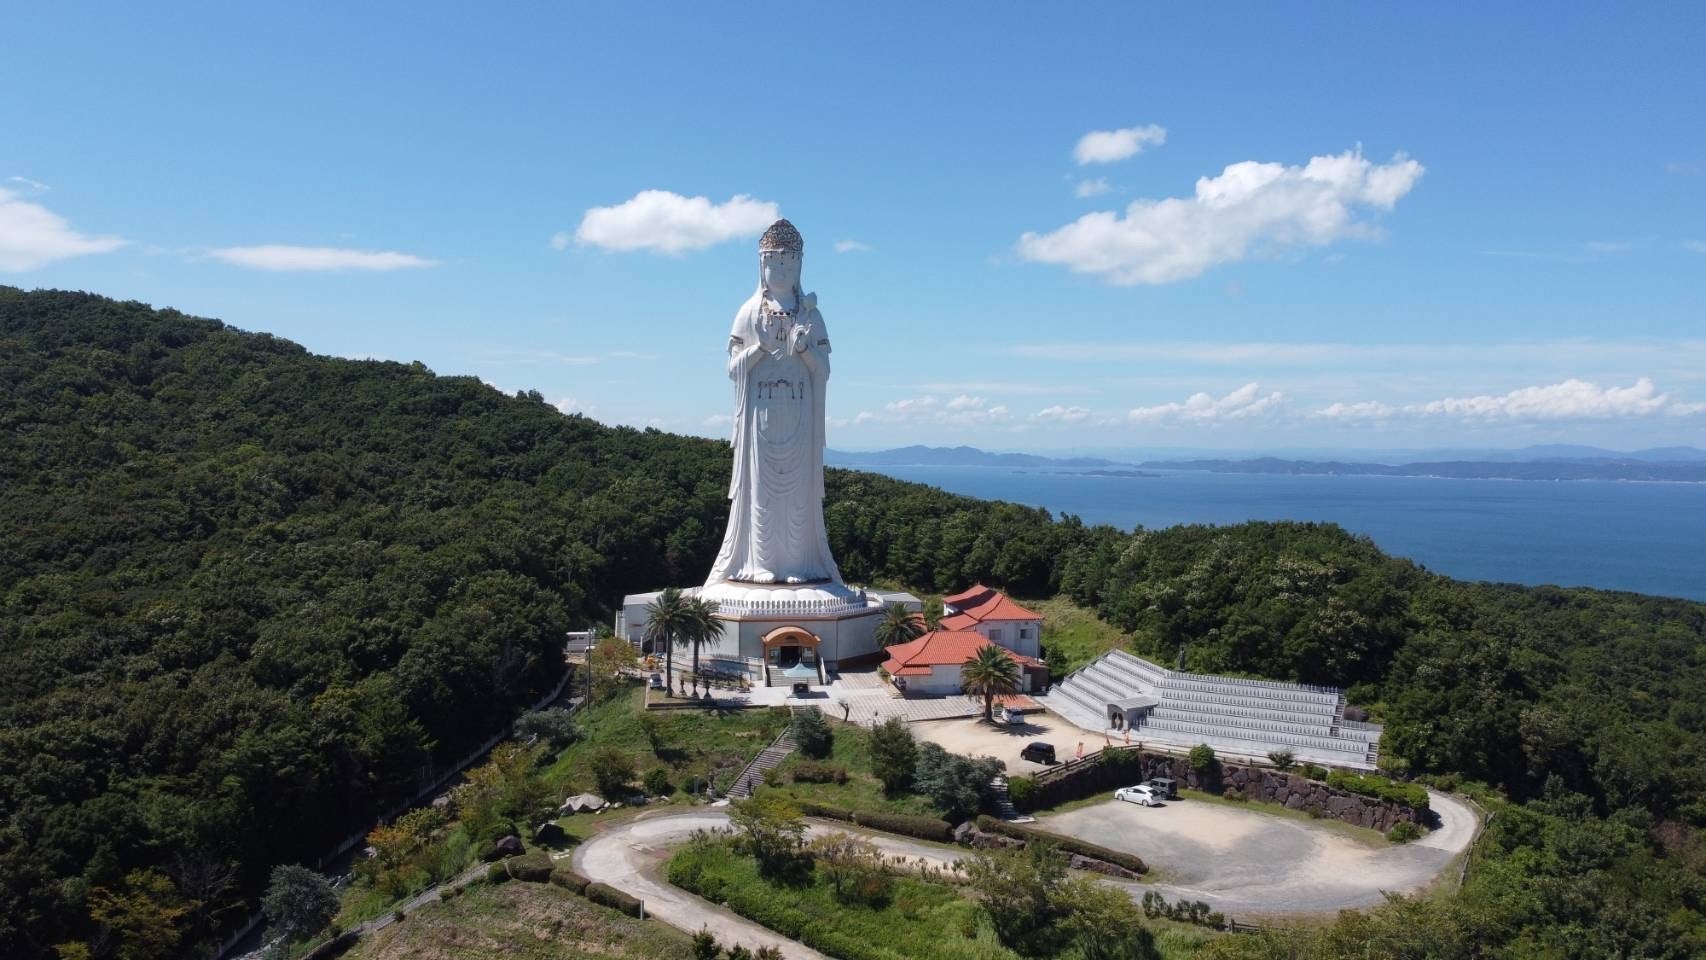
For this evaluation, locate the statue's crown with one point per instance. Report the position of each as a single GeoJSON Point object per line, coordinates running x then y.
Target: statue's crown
{"type": "Point", "coordinates": [782, 236]}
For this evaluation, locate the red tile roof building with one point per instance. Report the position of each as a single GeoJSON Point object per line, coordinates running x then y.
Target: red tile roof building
{"type": "Point", "coordinates": [931, 663]}
{"type": "Point", "coordinates": [994, 616]}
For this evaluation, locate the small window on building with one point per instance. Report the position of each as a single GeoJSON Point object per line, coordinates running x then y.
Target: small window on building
{"type": "Point", "coordinates": [995, 635]}
{"type": "Point", "coordinates": [1024, 633]}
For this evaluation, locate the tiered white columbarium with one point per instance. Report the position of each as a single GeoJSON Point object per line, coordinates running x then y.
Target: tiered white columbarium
{"type": "Point", "coordinates": [786, 614]}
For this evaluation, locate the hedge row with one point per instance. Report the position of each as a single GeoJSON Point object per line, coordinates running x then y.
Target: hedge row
{"type": "Point", "coordinates": [1129, 861]}
{"type": "Point", "coordinates": [924, 828]}
{"type": "Point", "coordinates": [1371, 785]}
{"type": "Point", "coordinates": [615, 899]}
{"type": "Point", "coordinates": [569, 880]}
{"type": "Point", "coordinates": [532, 867]}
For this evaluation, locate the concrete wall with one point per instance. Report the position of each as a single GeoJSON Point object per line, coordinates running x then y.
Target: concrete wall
{"type": "Point", "coordinates": [1006, 633]}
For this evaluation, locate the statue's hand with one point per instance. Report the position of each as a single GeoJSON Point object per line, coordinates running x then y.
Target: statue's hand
{"type": "Point", "coordinates": [801, 339]}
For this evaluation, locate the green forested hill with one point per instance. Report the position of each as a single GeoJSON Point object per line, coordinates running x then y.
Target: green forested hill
{"type": "Point", "coordinates": [248, 596]}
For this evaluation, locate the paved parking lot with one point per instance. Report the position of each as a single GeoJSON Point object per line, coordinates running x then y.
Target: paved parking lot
{"type": "Point", "coordinates": [973, 737]}
{"type": "Point", "coordinates": [1245, 861]}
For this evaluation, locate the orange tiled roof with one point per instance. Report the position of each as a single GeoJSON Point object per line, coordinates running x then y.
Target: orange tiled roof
{"type": "Point", "coordinates": [941, 648]}
{"type": "Point", "coordinates": [982, 603]}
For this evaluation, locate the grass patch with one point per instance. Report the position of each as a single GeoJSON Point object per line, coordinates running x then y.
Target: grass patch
{"type": "Point", "coordinates": [1075, 632]}
{"type": "Point", "coordinates": [919, 919]}
{"type": "Point", "coordinates": [527, 921]}
{"type": "Point", "coordinates": [707, 743]}
{"type": "Point", "coordinates": [862, 791]}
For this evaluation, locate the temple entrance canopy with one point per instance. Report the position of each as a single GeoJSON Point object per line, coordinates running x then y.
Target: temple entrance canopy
{"type": "Point", "coordinates": [791, 653]}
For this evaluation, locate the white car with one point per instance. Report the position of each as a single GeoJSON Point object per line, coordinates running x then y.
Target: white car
{"type": "Point", "coordinates": [1143, 794]}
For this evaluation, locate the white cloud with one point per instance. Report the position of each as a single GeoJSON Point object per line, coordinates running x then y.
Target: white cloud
{"type": "Point", "coordinates": [928, 408]}
{"type": "Point", "coordinates": [666, 222]}
{"type": "Point", "coordinates": [1250, 209]}
{"type": "Point", "coordinates": [1695, 246]}
{"type": "Point", "coordinates": [496, 355]}
{"type": "Point", "coordinates": [1107, 146]}
{"type": "Point", "coordinates": [1245, 402]}
{"type": "Point", "coordinates": [35, 185]}
{"type": "Point", "coordinates": [1003, 386]}
{"type": "Point", "coordinates": [718, 420]}
{"type": "Point", "coordinates": [1365, 410]}
{"type": "Point", "coordinates": [285, 258]}
{"type": "Point", "coordinates": [572, 405]}
{"type": "Point", "coordinates": [1062, 414]}
{"type": "Point", "coordinates": [1091, 188]}
{"type": "Point", "coordinates": [561, 240]}
{"type": "Point", "coordinates": [1571, 399]}
{"type": "Point", "coordinates": [851, 246]}
{"type": "Point", "coordinates": [33, 236]}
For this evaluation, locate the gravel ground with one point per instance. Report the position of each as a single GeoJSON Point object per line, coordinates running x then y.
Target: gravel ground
{"type": "Point", "coordinates": [1247, 862]}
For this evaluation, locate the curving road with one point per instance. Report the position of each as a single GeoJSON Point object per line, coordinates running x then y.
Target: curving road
{"type": "Point", "coordinates": [1244, 863]}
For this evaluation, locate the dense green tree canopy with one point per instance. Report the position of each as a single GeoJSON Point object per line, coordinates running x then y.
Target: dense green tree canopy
{"type": "Point", "coordinates": [249, 597]}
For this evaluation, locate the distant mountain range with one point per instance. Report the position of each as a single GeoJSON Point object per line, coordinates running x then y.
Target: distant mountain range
{"type": "Point", "coordinates": [920, 456]}
{"type": "Point", "coordinates": [1582, 469]}
{"type": "Point", "coordinates": [1551, 462]}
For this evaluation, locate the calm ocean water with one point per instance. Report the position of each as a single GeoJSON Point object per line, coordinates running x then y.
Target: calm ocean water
{"type": "Point", "coordinates": [1646, 537]}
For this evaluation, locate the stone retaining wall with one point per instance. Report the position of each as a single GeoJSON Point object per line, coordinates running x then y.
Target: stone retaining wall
{"type": "Point", "coordinates": [1290, 790]}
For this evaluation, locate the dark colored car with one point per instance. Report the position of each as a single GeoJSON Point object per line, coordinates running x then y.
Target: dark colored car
{"type": "Point", "coordinates": [1038, 752]}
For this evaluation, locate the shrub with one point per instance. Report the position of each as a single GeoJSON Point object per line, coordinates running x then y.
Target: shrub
{"type": "Point", "coordinates": [533, 867]}
{"type": "Point", "coordinates": [612, 770]}
{"type": "Point", "coordinates": [1282, 759]}
{"type": "Point", "coordinates": [957, 785]}
{"type": "Point", "coordinates": [894, 755]}
{"type": "Point", "coordinates": [1370, 785]}
{"type": "Point", "coordinates": [1403, 832]}
{"type": "Point", "coordinates": [657, 782]}
{"type": "Point", "coordinates": [615, 899]}
{"type": "Point", "coordinates": [816, 771]}
{"type": "Point", "coordinates": [1065, 843]}
{"type": "Point", "coordinates": [810, 732]}
{"type": "Point", "coordinates": [811, 808]}
{"type": "Point", "coordinates": [705, 945]}
{"type": "Point", "coordinates": [1022, 791]}
{"type": "Point", "coordinates": [569, 880]}
{"type": "Point", "coordinates": [555, 727]}
{"type": "Point", "coordinates": [924, 828]}
{"type": "Point", "coordinates": [1313, 772]}
{"type": "Point", "coordinates": [1201, 758]}
{"type": "Point", "coordinates": [398, 915]}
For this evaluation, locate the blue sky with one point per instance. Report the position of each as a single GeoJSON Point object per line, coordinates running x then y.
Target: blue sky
{"type": "Point", "coordinates": [1060, 226]}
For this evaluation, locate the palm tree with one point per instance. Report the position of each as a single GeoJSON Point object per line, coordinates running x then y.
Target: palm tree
{"type": "Point", "coordinates": [991, 672]}
{"type": "Point", "coordinates": [669, 623]}
{"type": "Point", "coordinates": [705, 628]}
{"type": "Point", "coordinates": [898, 625]}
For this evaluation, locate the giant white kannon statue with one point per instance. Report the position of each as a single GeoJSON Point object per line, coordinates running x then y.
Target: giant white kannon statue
{"type": "Point", "coordinates": [779, 362]}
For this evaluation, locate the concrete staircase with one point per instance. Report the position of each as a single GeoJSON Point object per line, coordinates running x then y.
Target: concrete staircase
{"type": "Point", "coordinates": [1004, 803]}
{"type": "Point", "coordinates": [1234, 715]}
{"type": "Point", "coordinates": [767, 759]}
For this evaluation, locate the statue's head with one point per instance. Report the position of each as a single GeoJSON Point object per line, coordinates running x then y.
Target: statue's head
{"type": "Point", "coordinates": [780, 251]}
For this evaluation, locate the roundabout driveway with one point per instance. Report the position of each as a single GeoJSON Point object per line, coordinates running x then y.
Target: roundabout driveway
{"type": "Point", "coordinates": [1243, 861]}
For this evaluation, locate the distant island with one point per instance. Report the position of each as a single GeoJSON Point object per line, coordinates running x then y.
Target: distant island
{"type": "Point", "coordinates": [921, 456]}
{"type": "Point", "coordinates": [1573, 469]}
{"type": "Point", "coordinates": [1558, 462]}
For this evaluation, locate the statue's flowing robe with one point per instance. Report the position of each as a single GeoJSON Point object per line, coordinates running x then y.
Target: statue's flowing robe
{"type": "Point", "coordinates": [776, 532]}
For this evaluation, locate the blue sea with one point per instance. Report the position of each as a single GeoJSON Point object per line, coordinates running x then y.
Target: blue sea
{"type": "Point", "coordinates": [1645, 537]}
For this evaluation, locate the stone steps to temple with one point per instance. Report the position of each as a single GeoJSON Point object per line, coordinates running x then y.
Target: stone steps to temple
{"type": "Point", "coordinates": [768, 759]}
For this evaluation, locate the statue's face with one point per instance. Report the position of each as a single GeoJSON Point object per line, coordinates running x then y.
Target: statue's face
{"type": "Point", "coordinates": [781, 269]}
